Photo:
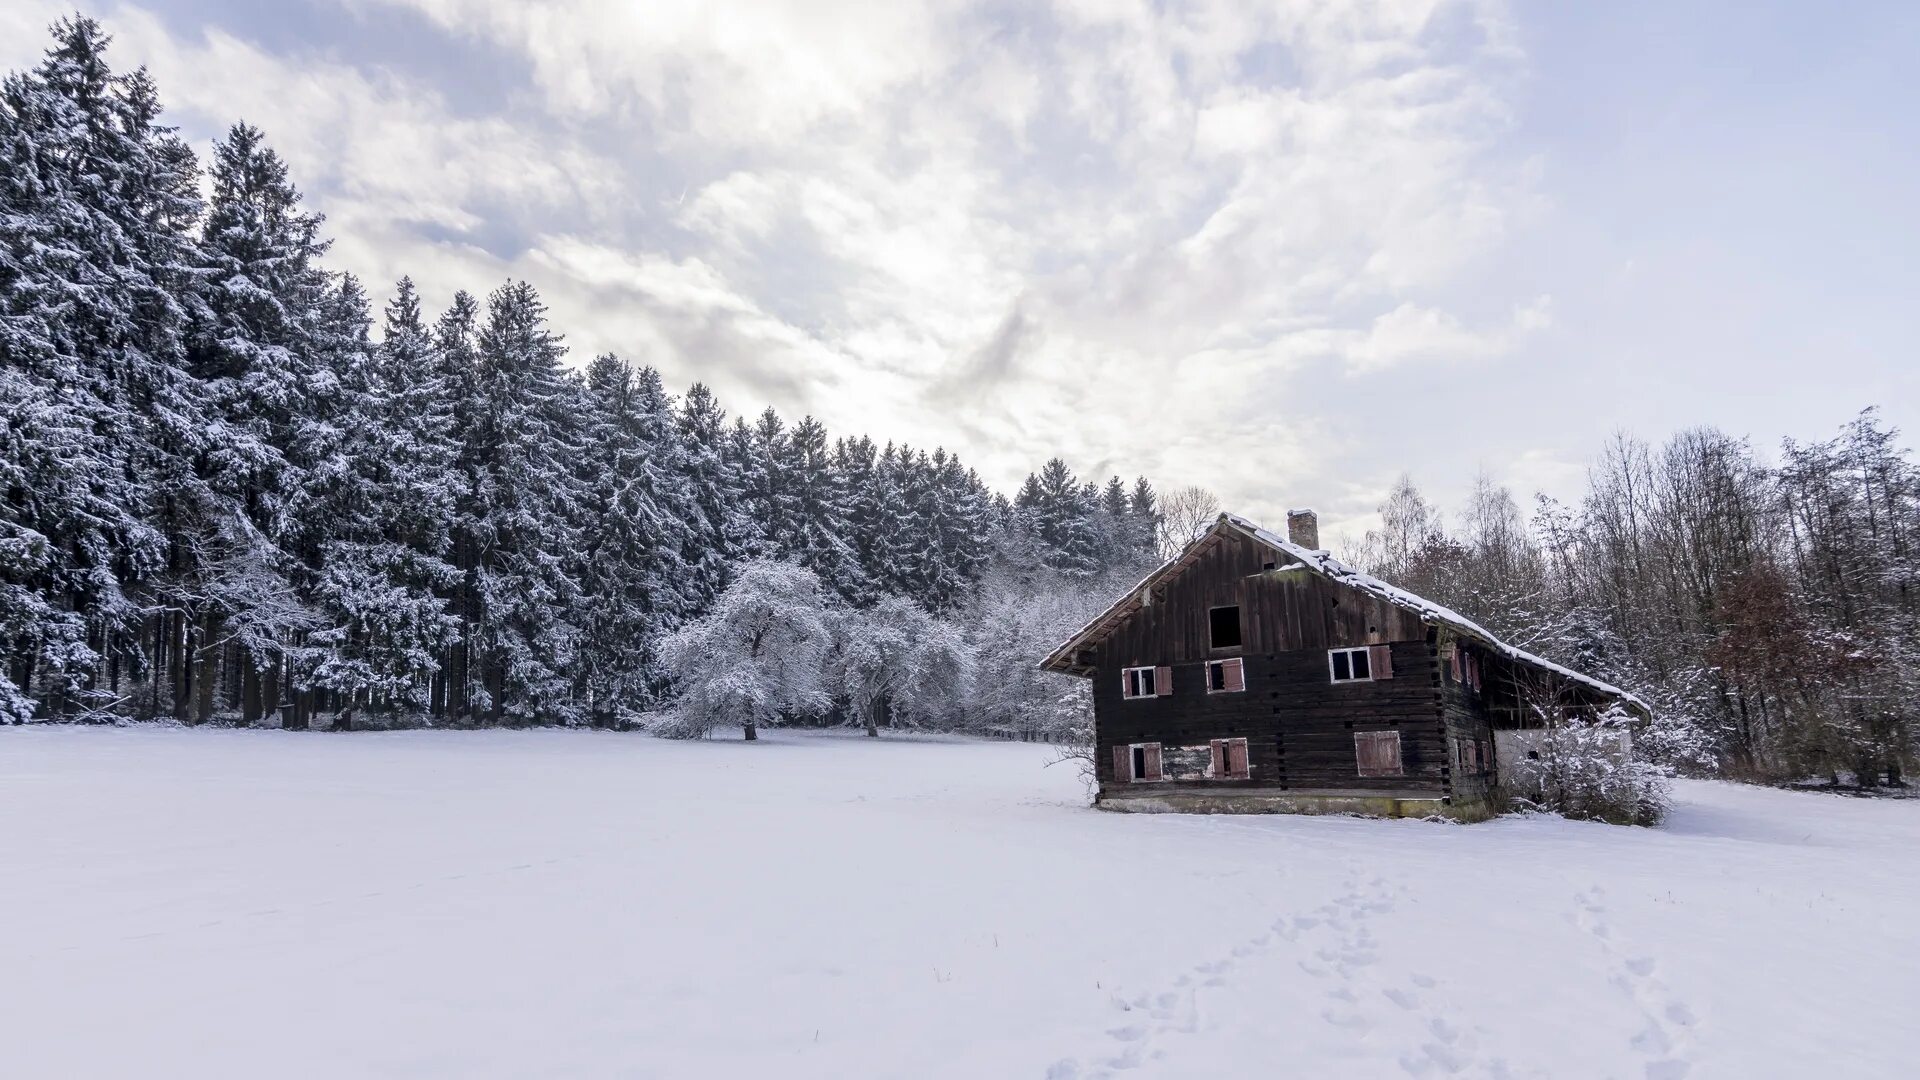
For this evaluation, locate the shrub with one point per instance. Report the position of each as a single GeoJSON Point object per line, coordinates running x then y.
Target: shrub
{"type": "Point", "coordinates": [1587, 770]}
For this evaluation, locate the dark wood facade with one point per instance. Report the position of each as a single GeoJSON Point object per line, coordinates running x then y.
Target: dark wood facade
{"type": "Point", "coordinates": [1299, 722]}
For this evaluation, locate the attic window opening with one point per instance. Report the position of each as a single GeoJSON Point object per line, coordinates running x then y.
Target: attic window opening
{"type": "Point", "coordinates": [1223, 627]}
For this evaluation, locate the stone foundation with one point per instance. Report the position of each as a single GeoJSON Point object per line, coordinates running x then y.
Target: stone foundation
{"type": "Point", "coordinates": [1144, 799]}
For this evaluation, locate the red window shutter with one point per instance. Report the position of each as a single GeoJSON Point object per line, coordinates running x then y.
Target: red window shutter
{"type": "Point", "coordinates": [1126, 684]}
{"type": "Point", "coordinates": [1236, 674]}
{"type": "Point", "coordinates": [1153, 761]}
{"type": "Point", "coordinates": [1380, 659]}
{"type": "Point", "coordinates": [1162, 682]}
{"type": "Point", "coordinates": [1237, 759]}
{"type": "Point", "coordinates": [1122, 763]}
{"type": "Point", "coordinates": [1220, 767]}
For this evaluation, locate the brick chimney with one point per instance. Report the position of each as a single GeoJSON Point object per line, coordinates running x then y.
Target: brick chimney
{"type": "Point", "coordinates": [1303, 528]}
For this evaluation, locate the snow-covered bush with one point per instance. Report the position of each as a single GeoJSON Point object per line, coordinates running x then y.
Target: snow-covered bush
{"type": "Point", "coordinates": [897, 663]}
{"type": "Point", "coordinates": [756, 657]}
{"type": "Point", "coordinates": [1585, 770]}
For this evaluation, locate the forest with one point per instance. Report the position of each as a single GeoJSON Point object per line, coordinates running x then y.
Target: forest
{"type": "Point", "coordinates": [235, 493]}
{"type": "Point", "coordinates": [229, 497]}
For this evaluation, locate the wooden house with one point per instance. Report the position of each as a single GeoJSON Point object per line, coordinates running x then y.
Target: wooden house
{"type": "Point", "coordinates": [1255, 673]}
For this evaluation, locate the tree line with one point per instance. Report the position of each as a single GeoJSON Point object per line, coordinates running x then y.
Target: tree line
{"type": "Point", "coordinates": [227, 494]}
{"type": "Point", "coordinates": [1766, 610]}
{"type": "Point", "coordinates": [230, 491]}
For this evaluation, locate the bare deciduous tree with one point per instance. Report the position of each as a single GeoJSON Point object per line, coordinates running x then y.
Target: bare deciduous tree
{"type": "Point", "coordinates": [1183, 514]}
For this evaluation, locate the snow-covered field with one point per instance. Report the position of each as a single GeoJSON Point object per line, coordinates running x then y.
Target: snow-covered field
{"type": "Point", "coordinates": [495, 904]}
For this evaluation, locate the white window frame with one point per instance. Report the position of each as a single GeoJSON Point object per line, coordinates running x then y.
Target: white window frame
{"type": "Point", "coordinates": [1128, 683]}
{"type": "Point", "coordinates": [1333, 676]}
{"type": "Point", "coordinates": [1240, 661]}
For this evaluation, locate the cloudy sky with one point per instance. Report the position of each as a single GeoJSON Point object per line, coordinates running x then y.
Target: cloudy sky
{"type": "Point", "coordinates": [1284, 251]}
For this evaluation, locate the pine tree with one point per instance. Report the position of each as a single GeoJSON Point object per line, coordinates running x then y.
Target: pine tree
{"type": "Point", "coordinates": [758, 454]}
{"type": "Point", "coordinates": [529, 510]}
{"type": "Point", "coordinates": [385, 521]}
{"type": "Point", "coordinates": [1061, 513]}
{"type": "Point", "coordinates": [96, 200]}
{"type": "Point", "coordinates": [869, 521]}
{"type": "Point", "coordinates": [457, 370]}
{"type": "Point", "coordinates": [631, 568]}
{"type": "Point", "coordinates": [719, 532]}
{"type": "Point", "coordinates": [259, 346]}
{"type": "Point", "coordinates": [1144, 509]}
{"type": "Point", "coordinates": [815, 524]}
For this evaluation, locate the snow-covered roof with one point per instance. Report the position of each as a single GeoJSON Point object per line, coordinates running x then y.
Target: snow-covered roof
{"type": "Point", "coordinates": [1324, 564]}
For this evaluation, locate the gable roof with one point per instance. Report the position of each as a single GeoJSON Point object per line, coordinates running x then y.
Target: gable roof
{"type": "Point", "coordinates": [1324, 564]}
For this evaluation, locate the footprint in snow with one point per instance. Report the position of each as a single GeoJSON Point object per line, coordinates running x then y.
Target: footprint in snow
{"type": "Point", "coordinates": [1664, 1043]}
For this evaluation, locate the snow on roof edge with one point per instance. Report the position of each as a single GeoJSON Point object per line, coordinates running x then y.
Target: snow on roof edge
{"type": "Point", "coordinates": [1333, 568]}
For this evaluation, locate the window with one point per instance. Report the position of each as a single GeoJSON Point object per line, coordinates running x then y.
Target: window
{"type": "Point", "coordinates": [1141, 682]}
{"type": "Point", "coordinates": [1350, 665]}
{"type": "Point", "coordinates": [1230, 759]}
{"type": "Point", "coordinates": [1473, 756]}
{"type": "Point", "coordinates": [1223, 627]}
{"type": "Point", "coordinates": [1377, 753]}
{"type": "Point", "coordinates": [1465, 669]}
{"type": "Point", "coordinates": [1136, 762]}
{"type": "Point", "coordinates": [1226, 676]}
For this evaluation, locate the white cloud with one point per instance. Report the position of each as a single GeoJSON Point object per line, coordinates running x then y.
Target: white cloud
{"type": "Point", "coordinates": [1110, 230]}
{"type": "Point", "coordinates": [1410, 332]}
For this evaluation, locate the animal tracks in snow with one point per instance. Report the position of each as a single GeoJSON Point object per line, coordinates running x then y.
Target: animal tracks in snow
{"type": "Point", "coordinates": [1335, 946]}
{"type": "Point", "coordinates": [1665, 1041]}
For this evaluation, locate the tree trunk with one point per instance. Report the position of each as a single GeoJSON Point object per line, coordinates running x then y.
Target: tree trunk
{"type": "Point", "coordinates": [270, 692]}
{"type": "Point", "coordinates": [180, 657]}
{"type": "Point", "coordinates": [157, 636]}
{"type": "Point", "coordinates": [206, 662]}
{"type": "Point", "coordinates": [250, 706]}
{"type": "Point", "coordinates": [497, 689]}
{"type": "Point", "coordinates": [298, 709]}
{"type": "Point", "coordinates": [750, 731]}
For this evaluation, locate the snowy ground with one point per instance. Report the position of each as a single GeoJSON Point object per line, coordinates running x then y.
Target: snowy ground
{"type": "Point", "coordinates": [247, 904]}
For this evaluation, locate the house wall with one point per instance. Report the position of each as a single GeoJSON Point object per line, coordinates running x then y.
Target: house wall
{"type": "Point", "coordinates": [1281, 611]}
{"type": "Point", "coordinates": [1516, 745]}
{"type": "Point", "coordinates": [1469, 716]}
{"type": "Point", "coordinates": [1298, 723]}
